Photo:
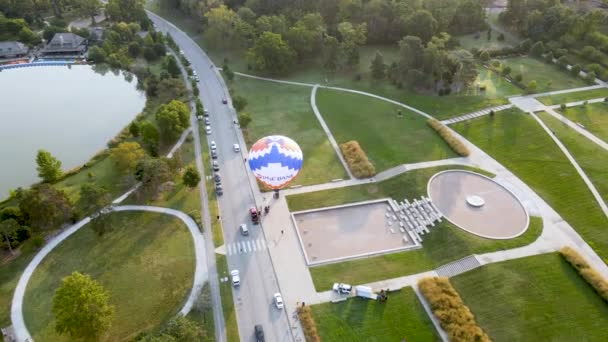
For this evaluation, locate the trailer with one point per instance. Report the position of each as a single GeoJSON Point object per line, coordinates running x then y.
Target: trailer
{"type": "Point", "coordinates": [365, 292]}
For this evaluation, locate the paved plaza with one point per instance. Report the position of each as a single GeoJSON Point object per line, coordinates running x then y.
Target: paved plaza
{"type": "Point", "coordinates": [349, 231]}
{"type": "Point", "coordinates": [478, 204]}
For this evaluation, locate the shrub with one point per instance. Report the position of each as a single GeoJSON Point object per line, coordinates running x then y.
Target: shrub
{"type": "Point", "coordinates": [506, 70]}
{"type": "Point", "coordinates": [308, 324]}
{"type": "Point", "coordinates": [484, 56]}
{"type": "Point", "coordinates": [519, 77]}
{"type": "Point", "coordinates": [590, 77]}
{"type": "Point", "coordinates": [562, 106]}
{"type": "Point", "coordinates": [501, 37]}
{"type": "Point", "coordinates": [575, 69]}
{"type": "Point", "coordinates": [455, 317]}
{"type": "Point", "coordinates": [357, 160]}
{"type": "Point", "coordinates": [583, 268]}
{"type": "Point", "coordinates": [37, 241]}
{"type": "Point", "coordinates": [449, 138]}
{"type": "Point", "coordinates": [531, 88]}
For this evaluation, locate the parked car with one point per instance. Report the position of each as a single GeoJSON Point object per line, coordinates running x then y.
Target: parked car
{"type": "Point", "coordinates": [217, 178]}
{"type": "Point", "coordinates": [278, 301]}
{"type": "Point", "coordinates": [236, 279]}
{"type": "Point", "coordinates": [206, 120]}
{"type": "Point", "coordinates": [259, 333]}
{"type": "Point", "coordinates": [205, 112]}
{"type": "Point", "coordinates": [342, 288]}
{"type": "Point", "coordinates": [219, 190]}
{"type": "Point", "coordinates": [200, 117]}
{"type": "Point", "coordinates": [214, 154]}
{"type": "Point", "coordinates": [236, 148]}
{"type": "Point", "coordinates": [244, 230]}
{"type": "Point", "coordinates": [213, 145]}
{"type": "Point", "coordinates": [208, 129]}
{"type": "Point", "coordinates": [216, 166]}
{"type": "Point", "coordinates": [224, 101]}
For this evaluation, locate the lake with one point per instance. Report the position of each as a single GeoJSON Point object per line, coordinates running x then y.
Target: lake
{"type": "Point", "coordinates": [70, 112]}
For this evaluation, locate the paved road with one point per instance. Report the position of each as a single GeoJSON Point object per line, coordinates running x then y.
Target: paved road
{"type": "Point", "coordinates": [253, 300]}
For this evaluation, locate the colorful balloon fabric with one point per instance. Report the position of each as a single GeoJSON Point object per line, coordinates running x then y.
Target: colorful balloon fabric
{"type": "Point", "coordinates": [275, 160]}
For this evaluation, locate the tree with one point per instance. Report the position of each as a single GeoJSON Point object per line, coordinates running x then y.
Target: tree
{"type": "Point", "coordinates": [489, 33]}
{"type": "Point", "coordinates": [270, 53]}
{"type": "Point", "coordinates": [306, 36]}
{"type": "Point", "coordinates": [575, 70]}
{"type": "Point", "coordinates": [8, 230]}
{"type": "Point", "coordinates": [378, 66]}
{"type": "Point", "coordinates": [525, 45]}
{"type": "Point", "coordinates": [173, 119]}
{"type": "Point", "coordinates": [590, 78]}
{"type": "Point", "coordinates": [506, 70]}
{"type": "Point", "coordinates": [245, 119]}
{"type": "Point", "coordinates": [45, 207]}
{"type": "Point", "coordinates": [352, 37]}
{"type": "Point", "coordinates": [81, 307]}
{"type": "Point", "coordinates": [150, 136]}
{"type": "Point", "coordinates": [191, 177]}
{"type": "Point", "coordinates": [135, 129]}
{"type": "Point", "coordinates": [501, 37]}
{"type": "Point", "coordinates": [531, 88]}
{"type": "Point", "coordinates": [331, 52]}
{"type": "Point", "coordinates": [135, 49]}
{"type": "Point", "coordinates": [421, 24]}
{"type": "Point", "coordinates": [127, 155]}
{"type": "Point", "coordinates": [126, 11]}
{"type": "Point", "coordinates": [152, 173]}
{"type": "Point", "coordinates": [221, 23]}
{"type": "Point", "coordinates": [466, 70]}
{"type": "Point", "coordinates": [239, 103]}
{"type": "Point", "coordinates": [172, 67]}
{"type": "Point", "coordinates": [271, 23]}
{"type": "Point", "coordinates": [88, 8]}
{"type": "Point", "coordinates": [93, 197]}
{"type": "Point", "coordinates": [183, 329]}
{"type": "Point", "coordinates": [484, 56]}
{"type": "Point", "coordinates": [537, 49]}
{"type": "Point", "coordinates": [49, 167]}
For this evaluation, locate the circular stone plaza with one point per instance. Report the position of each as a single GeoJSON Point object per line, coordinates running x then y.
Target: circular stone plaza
{"type": "Point", "coordinates": [478, 204]}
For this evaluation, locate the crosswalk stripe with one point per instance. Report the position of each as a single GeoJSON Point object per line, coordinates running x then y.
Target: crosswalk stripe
{"type": "Point", "coordinates": [240, 246]}
{"type": "Point", "coordinates": [229, 246]}
{"type": "Point", "coordinates": [263, 242]}
{"type": "Point", "coordinates": [249, 249]}
{"type": "Point", "coordinates": [254, 246]}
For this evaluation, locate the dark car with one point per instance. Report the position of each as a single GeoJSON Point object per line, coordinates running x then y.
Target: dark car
{"type": "Point", "coordinates": [217, 178]}
{"type": "Point", "coordinates": [259, 333]}
{"type": "Point", "coordinates": [213, 154]}
{"type": "Point", "coordinates": [216, 166]}
{"type": "Point", "coordinates": [218, 190]}
{"type": "Point", "coordinates": [224, 101]}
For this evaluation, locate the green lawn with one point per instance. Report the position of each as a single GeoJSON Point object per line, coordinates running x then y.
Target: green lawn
{"type": "Point", "coordinates": [592, 158]}
{"type": "Point", "coordinates": [574, 97]}
{"type": "Point", "coordinates": [285, 110]}
{"type": "Point", "coordinates": [232, 329]}
{"type": "Point", "coordinates": [538, 298]}
{"type": "Point", "coordinates": [548, 77]}
{"type": "Point", "coordinates": [496, 85]}
{"type": "Point", "coordinates": [401, 318]}
{"type": "Point", "coordinates": [146, 263]}
{"type": "Point", "coordinates": [445, 242]}
{"type": "Point", "coordinates": [593, 116]}
{"type": "Point", "coordinates": [387, 139]}
{"type": "Point", "coordinates": [468, 41]}
{"type": "Point", "coordinates": [518, 142]}
{"type": "Point", "coordinates": [9, 276]}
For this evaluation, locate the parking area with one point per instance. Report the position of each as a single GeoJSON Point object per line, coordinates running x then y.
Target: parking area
{"type": "Point", "coordinates": [349, 231]}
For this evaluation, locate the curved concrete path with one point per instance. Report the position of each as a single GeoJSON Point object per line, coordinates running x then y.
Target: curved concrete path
{"type": "Point", "coordinates": [200, 272]}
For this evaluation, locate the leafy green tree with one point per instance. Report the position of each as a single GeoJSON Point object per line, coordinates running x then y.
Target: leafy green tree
{"type": "Point", "coordinates": [352, 37]}
{"type": "Point", "coordinates": [8, 231]}
{"type": "Point", "coordinates": [88, 8]}
{"type": "Point", "coordinates": [171, 89]}
{"type": "Point", "coordinates": [239, 103]}
{"type": "Point", "coordinates": [172, 67]}
{"type": "Point", "coordinates": [81, 308]}
{"type": "Point", "coordinates": [221, 23]}
{"type": "Point", "coordinates": [102, 223]}
{"type": "Point", "coordinates": [575, 70]}
{"type": "Point", "coordinates": [183, 329]}
{"type": "Point", "coordinates": [506, 70]}
{"type": "Point", "coordinates": [135, 129]}
{"type": "Point", "coordinates": [228, 72]}
{"type": "Point", "coordinates": [272, 23]}
{"type": "Point", "coordinates": [245, 119]}
{"type": "Point", "coordinates": [126, 11]}
{"type": "Point", "coordinates": [45, 207]}
{"type": "Point", "coordinates": [484, 56]}
{"type": "Point", "coordinates": [152, 173]}
{"type": "Point", "coordinates": [93, 197]}
{"type": "Point", "coordinates": [97, 54]}
{"type": "Point", "coordinates": [12, 213]}
{"type": "Point", "coordinates": [306, 36]}
{"type": "Point", "coordinates": [378, 66]}
{"type": "Point", "coordinates": [191, 177]}
{"type": "Point", "coordinates": [421, 24]}
{"type": "Point", "coordinates": [271, 54]}
{"type": "Point", "coordinates": [590, 78]}
{"type": "Point", "coordinates": [537, 49]}
{"type": "Point", "coordinates": [127, 155]}
{"type": "Point", "coordinates": [150, 136]}
{"type": "Point", "coordinates": [173, 119]}
{"type": "Point", "coordinates": [49, 167]}
{"type": "Point", "coordinates": [531, 88]}
{"type": "Point", "coordinates": [135, 49]}
{"type": "Point", "coordinates": [466, 71]}
{"type": "Point", "coordinates": [331, 53]}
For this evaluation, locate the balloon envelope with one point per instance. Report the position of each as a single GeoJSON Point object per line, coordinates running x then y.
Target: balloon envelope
{"type": "Point", "coordinates": [275, 160]}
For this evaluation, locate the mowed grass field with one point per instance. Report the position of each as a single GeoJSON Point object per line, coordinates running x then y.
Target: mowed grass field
{"type": "Point", "coordinates": [518, 142]}
{"type": "Point", "coordinates": [387, 139]}
{"type": "Point", "coordinates": [401, 317]}
{"type": "Point", "coordinates": [146, 263]}
{"type": "Point", "coordinates": [548, 77]}
{"type": "Point", "coordinates": [443, 244]}
{"type": "Point", "coordinates": [496, 85]}
{"type": "Point", "coordinates": [593, 116]}
{"type": "Point", "coordinates": [279, 109]}
{"type": "Point", "coordinates": [574, 96]}
{"type": "Point", "coordinates": [592, 158]}
{"type": "Point", "coordinates": [538, 298]}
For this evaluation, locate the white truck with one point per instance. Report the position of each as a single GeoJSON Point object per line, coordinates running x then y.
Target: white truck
{"type": "Point", "coordinates": [365, 292]}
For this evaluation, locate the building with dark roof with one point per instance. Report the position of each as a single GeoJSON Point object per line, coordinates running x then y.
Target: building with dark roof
{"type": "Point", "coordinates": [10, 49]}
{"type": "Point", "coordinates": [65, 44]}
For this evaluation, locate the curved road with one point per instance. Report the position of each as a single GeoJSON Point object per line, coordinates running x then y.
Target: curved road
{"type": "Point", "coordinates": [200, 272]}
{"type": "Point", "coordinates": [253, 300]}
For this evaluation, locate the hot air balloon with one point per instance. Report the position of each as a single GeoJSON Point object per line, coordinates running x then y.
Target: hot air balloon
{"type": "Point", "coordinates": [275, 160]}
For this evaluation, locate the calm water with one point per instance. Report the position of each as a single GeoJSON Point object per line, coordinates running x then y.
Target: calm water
{"type": "Point", "coordinates": [71, 112]}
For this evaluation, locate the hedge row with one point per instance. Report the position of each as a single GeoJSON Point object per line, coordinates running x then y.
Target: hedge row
{"type": "Point", "coordinates": [591, 276]}
{"type": "Point", "coordinates": [357, 160]}
{"type": "Point", "coordinates": [455, 317]}
{"type": "Point", "coordinates": [308, 324]}
{"type": "Point", "coordinates": [449, 138]}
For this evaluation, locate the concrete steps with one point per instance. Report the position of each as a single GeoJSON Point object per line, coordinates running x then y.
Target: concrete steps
{"type": "Point", "coordinates": [458, 267]}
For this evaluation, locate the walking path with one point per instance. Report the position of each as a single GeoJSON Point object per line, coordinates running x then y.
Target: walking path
{"type": "Point", "coordinates": [200, 272]}
{"type": "Point", "coordinates": [477, 114]}
{"type": "Point", "coordinates": [182, 139]}
{"type": "Point", "coordinates": [601, 143]}
{"type": "Point", "coordinates": [580, 171]}
{"type": "Point", "coordinates": [330, 137]}
{"type": "Point", "coordinates": [565, 91]}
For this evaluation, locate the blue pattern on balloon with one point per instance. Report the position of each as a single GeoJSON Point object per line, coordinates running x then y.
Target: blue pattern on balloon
{"type": "Point", "coordinates": [275, 156]}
